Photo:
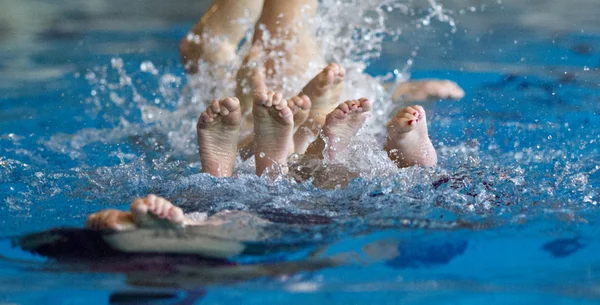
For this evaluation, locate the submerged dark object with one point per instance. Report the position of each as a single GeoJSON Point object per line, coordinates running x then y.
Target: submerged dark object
{"type": "Point", "coordinates": [197, 242]}
{"type": "Point", "coordinates": [191, 258]}
{"type": "Point", "coordinates": [563, 247]}
{"type": "Point", "coordinates": [416, 255]}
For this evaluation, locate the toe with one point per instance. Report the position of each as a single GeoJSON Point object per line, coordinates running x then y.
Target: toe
{"type": "Point", "coordinates": [285, 112]}
{"type": "Point", "coordinates": [337, 113]}
{"type": "Point", "coordinates": [344, 107]}
{"type": "Point", "coordinates": [90, 223]}
{"type": "Point", "coordinates": [268, 102]}
{"type": "Point", "coordinates": [176, 214]}
{"type": "Point", "coordinates": [151, 201]}
{"type": "Point", "coordinates": [224, 111]}
{"type": "Point", "coordinates": [365, 104]}
{"type": "Point", "coordinates": [277, 99]}
{"type": "Point", "coordinates": [410, 110]}
{"type": "Point", "coordinates": [204, 118]}
{"type": "Point", "coordinates": [215, 107]}
{"type": "Point", "coordinates": [326, 77]}
{"type": "Point", "coordinates": [306, 102]}
{"type": "Point", "coordinates": [231, 104]}
{"type": "Point", "coordinates": [296, 101]}
{"type": "Point", "coordinates": [260, 98]}
{"type": "Point", "coordinates": [104, 220]}
{"type": "Point", "coordinates": [292, 105]}
{"type": "Point", "coordinates": [162, 207]}
{"type": "Point", "coordinates": [420, 110]}
{"type": "Point", "coordinates": [139, 206]}
{"type": "Point", "coordinates": [112, 220]}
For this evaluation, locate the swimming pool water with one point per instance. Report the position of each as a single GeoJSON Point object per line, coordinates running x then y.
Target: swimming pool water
{"type": "Point", "coordinates": [509, 216]}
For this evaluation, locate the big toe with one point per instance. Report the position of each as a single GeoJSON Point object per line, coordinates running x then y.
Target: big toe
{"type": "Point", "coordinates": [230, 104]}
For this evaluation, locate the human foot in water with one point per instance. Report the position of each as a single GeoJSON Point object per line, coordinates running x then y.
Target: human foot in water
{"type": "Point", "coordinates": [299, 105]}
{"type": "Point", "coordinates": [340, 126]}
{"type": "Point", "coordinates": [273, 131]}
{"type": "Point", "coordinates": [151, 211]}
{"type": "Point", "coordinates": [407, 141]}
{"type": "Point", "coordinates": [148, 212]}
{"type": "Point", "coordinates": [324, 91]}
{"type": "Point", "coordinates": [431, 89]}
{"type": "Point", "coordinates": [215, 37]}
{"type": "Point", "coordinates": [218, 132]}
{"type": "Point", "coordinates": [113, 220]}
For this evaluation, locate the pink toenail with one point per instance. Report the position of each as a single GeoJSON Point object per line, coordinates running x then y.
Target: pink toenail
{"type": "Point", "coordinates": [410, 122]}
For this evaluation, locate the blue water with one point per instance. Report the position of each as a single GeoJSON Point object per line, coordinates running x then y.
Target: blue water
{"type": "Point", "coordinates": [509, 216]}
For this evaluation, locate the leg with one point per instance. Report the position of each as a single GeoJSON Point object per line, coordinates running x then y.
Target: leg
{"type": "Point", "coordinates": [339, 128]}
{"type": "Point", "coordinates": [218, 132]}
{"type": "Point", "coordinates": [283, 47]}
{"type": "Point", "coordinates": [287, 40]}
{"type": "Point", "coordinates": [216, 35]}
{"type": "Point", "coordinates": [407, 141]}
{"type": "Point", "coordinates": [424, 90]}
{"type": "Point", "coordinates": [273, 129]}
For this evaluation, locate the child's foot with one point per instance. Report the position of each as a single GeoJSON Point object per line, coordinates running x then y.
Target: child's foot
{"type": "Point", "coordinates": [218, 132]}
{"type": "Point", "coordinates": [433, 89]}
{"type": "Point", "coordinates": [407, 141]}
{"type": "Point", "coordinates": [340, 126]}
{"type": "Point", "coordinates": [324, 91]}
{"type": "Point", "coordinates": [113, 220]}
{"type": "Point", "coordinates": [154, 211]}
{"type": "Point", "coordinates": [273, 131]}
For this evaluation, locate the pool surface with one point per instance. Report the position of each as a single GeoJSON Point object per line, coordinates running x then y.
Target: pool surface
{"type": "Point", "coordinates": [94, 111]}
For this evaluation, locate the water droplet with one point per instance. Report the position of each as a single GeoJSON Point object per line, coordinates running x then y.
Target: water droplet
{"type": "Point", "coordinates": [116, 63]}
{"type": "Point", "coordinates": [262, 154]}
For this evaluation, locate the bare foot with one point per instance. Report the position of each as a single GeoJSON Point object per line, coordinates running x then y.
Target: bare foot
{"type": "Point", "coordinates": [407, 141]}
{"type": "Point", "coordinates": [273, 131]}
{"type": "Point", "coordinates": [214, 38]}
{"type": "Point", "coordinates": [154, 211]}
{"type": "Point", "coordinates": [324, 91]}
{"type": "Point", "coordinates": [340, 126]}
{"type": "Point", "coordinates": [218, 132]}
{"type": "Point", "coordinates": [113, 220]}
{"type": "Point", "coordinates": [433, 89]}
{"type": "Point", "coordinates": [299, 105]}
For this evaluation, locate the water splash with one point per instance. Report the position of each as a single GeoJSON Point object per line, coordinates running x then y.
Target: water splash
{"type": "Point", "coordinates": [140, 138]}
